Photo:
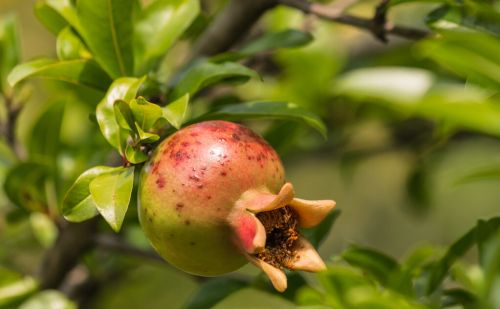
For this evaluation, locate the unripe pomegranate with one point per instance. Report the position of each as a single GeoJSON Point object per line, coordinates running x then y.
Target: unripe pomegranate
{"type": "Point", "coordinates": [213, 197]}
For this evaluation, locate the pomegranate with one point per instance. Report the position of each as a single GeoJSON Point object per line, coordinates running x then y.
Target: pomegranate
{"type": "Point", "coordinates": [213, 197]}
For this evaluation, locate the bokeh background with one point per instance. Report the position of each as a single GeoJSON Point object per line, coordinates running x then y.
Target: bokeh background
{"type": "Point", "coordinates": [398, 179]}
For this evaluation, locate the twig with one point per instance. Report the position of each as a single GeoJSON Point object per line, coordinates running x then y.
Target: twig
{"type": "Point", "coordinates": [230, 26]}
{"type": "Point", "coordinates": [114, 243]}
{"type": "Point", "coordinates": [74, 240]}
{"type": "Point", "coordinates": [337, 16]}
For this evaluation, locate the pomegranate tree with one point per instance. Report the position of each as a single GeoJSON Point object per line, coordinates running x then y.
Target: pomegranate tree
{"type": "Point", "coordinates": [214, 196]}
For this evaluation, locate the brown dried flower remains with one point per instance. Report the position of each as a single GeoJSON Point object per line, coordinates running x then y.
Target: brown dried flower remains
{"type": "Point", "coordinates": [281, 236]}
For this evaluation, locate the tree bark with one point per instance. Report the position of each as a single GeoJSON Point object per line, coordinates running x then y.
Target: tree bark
{"type": "Point", "coordinates": [74, 240]}
{"type": "Point", "coordinates": [230, 26]}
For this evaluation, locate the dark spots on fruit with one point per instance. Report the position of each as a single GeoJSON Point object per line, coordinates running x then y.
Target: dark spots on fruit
{"type": "Point", "coordinates": [222, 139]}
{"type": "Point", "coordinates": [179, 206]}
{"type": "Point", "coordinates": [171, 235]}
{"type": "Point", "coordinates": [236, 137]}
{"type": "Point", "coordinates": [218, 209]}
{"type": "Point", "coordinates": [179, 156]}
{"type": "Point", "coordinates": [209, 197]}
{"type": "Point", "coordinates": [155, 166]}
{"type": "Point", "coordinates": [194, 134]}
{"type": "Point", "coordinates": [194, 177]}
{"type": "Point", "coordinates": [192, 243]}
{"type": "Point", "coordinates": [150, 219]}
{"type": "Point", "coordinates": [223, 174]}
{"type": "Point", "coordinates": [199, 186]}
{"type": "Point", "coordinates": [160, 182]}
{"type": "Point", "coordinates": [187, 222]}
{"type": "Point", "coordinates": [185, 144]}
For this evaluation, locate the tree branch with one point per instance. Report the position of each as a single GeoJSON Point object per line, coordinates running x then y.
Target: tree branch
{"type": "Point", "coordinates": [372, 25]}
{"type": "Point", "coordinates": [74, 240]}
{"type": "Point", "coordinates": [114, 243]}
{"type": "Point", "coordinates": [230, 26]}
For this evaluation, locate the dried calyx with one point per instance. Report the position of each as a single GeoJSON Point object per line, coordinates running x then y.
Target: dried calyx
{"type": "Point", "coordinates": [267, 225]}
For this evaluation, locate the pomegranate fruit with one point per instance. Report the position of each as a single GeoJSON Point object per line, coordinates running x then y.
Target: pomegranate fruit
{"type": "Point", "coordinates": [213, 197]}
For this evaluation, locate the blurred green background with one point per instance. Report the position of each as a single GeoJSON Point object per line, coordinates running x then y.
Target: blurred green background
{"type": "Point", "coordinates": [396, 178]}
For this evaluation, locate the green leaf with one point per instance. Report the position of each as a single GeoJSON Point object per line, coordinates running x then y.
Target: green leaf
{"type": "Point", "coordinates": [203, 74]}
{"type": "Point", "coordinates": [267, 110]}
{"type": "Point", "coordinates": [490, 173]}
{"type": "Point", "coordinates": [177, 112]}
{"type": "Point", "coordinates": [145, 113]}
{"type": "Point", "coordinates": [146, 137]}
{"type": "Point", "coordinates": [111, 193]}
{"type": "Point", "coordinates": [43, 143]}
{"type": "Point", "coordinates": [158, 26]}
{"type": "Point", "coordinates": [48, 299]}
{"type": "Point", "coordinates": [49, 17]}
{"type": "Point", "coordinates": [269, 41]}
{"type": "Point", "coordinates": [134, 154]}
{"type": "Point", "coordinates": [66, 10]}
{"type": "Point", "coordinates": [213, 291]}
{"type": "Point", "coordinates": [398, 84]}
{"type": "Point", "coordinates": [9, 48]}
{"type": "Point", "coordinates": [465, 16]}
{"type": "Point", "coordinates": [69, 46]}
{"type": "Point", "coordinates": [121, 89]}
{"type": "Point", "coordinates": [317, 234]}
{"type": "Point", "coordinates": [124, 115]}
{"type": "Point", "coordinates": [24, 185]}
{"type": "Point", "coordinates": [80, 72]}
{"type": "Point", "coordinates": [78, 205]}
{"type": "Point", "coordinates": [108, 33]}
{"type": "Point", "coordinates": [43, 228]}
{"type": "Point", "coordinates": [482, 52]}
{"type": "Point", "coordinates": [457, 250]}
{"type": "Point", "coordinates": [15, 289]}
{"type": "Point", "coordinates": [382, 267]}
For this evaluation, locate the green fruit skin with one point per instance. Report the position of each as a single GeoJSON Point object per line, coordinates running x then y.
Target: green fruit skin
{"type": "Point", "coordinates": [189, 188]}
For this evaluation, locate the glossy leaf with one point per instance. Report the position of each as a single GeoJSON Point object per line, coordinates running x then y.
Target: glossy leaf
{"type": "Point", "coordinates": [134, 154]}
{"type": "Point", "coordinates": [267, 110]}
{"type": "Point", "coordinates": [399, 84]}
{"type": "Point", "coordinates": [67, 10]}
{"type": "Point", "coordinates": [464, 16]}
{"type": "Point", "coordinates": [124, 115]}
{"type": "Point", "coordinates": [111, 193]}
{"type": "Point", "coordinates": [69, 46]}
{"type": "Point", "coordinates": [121, 89]}
{"type": "Point", "coordinates": [43, 228]}
{"type": "Point", "coordinates": [145, 113]}
{"type": "Point", "coordinates": [15, 289]}
{"type": "Point", "coordinates": [213, 291]}
{"type": "Point", "coordinates": [48, 299]}
{"type": "Point", "coordinates": [269, 41]}
{"type": "Point", "coordinates": [80, 72]}
{"type": "Point", "coordinates": [49, 17]}
{"type": "Point", "coordinates": [24, 185]}
{"type": "Point", "coordinates": [78, 205]}
{"type": "Point", "coordinates": [9, 48]}
{"type": "Point", "coordinates": [157, 28]}
{"type": "Point", "coordinates": [146, 137]}
{"type": "Point", "coordinates": [108, 33]}
{"type": "Point", "coordinates": [204, 74]}
{"type": "Point", "coordinates": [177, 112]}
